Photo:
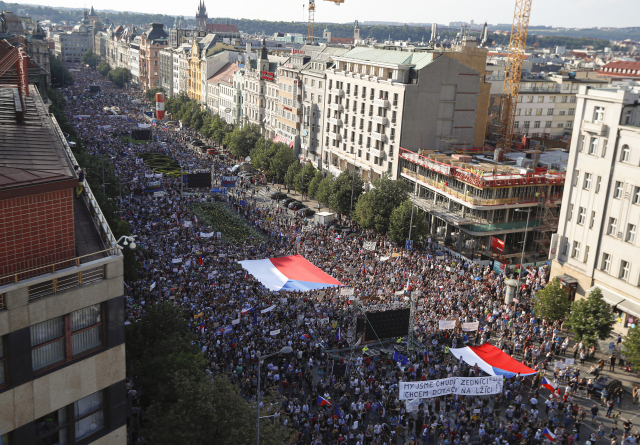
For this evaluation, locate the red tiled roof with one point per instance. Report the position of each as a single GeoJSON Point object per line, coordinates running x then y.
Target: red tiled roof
{"type": "Point", "coordinates": [224, 74]}
{"type": "Point", "coordinates": [620, 69]}
{"type": "Point", "coordinates": [219, 27]}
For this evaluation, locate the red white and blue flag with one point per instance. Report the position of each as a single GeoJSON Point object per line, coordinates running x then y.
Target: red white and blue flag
{"type": "Point", "coordinates": [548, 384]}
{"type": "Point", "coordinates": [323, 402]}
{"type": "Point", "coordinates": [289, 273]}
{"type": "Point", "coordinates": [549, 435]}
{"type": "Point", "coordinates": [246, 311]}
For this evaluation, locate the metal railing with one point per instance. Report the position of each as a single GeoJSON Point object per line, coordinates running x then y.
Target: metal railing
{"type": "Point", "coordinates": [66, 282]}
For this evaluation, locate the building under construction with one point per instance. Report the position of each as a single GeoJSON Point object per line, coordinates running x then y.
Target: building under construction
{"type": "Point", "coordinates": [478, 205]}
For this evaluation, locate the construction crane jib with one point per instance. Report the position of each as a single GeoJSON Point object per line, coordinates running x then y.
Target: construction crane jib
{"type": "Point", "coordinates": [513, 73]}
{"type": "Point", "coordinates": [312, 12]}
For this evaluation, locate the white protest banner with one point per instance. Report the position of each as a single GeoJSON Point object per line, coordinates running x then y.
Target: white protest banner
{"type": "Point", "coordinates": [569, 361]}
{"type": "Point", "coordinates": [446, 324]}
{"type": "Point", "coordinates": [269, 309]}
{"type": "Point", "coordinates": [211, 275]}
{"type": "Point", "coordinates": [369, 245]}
{"type": "Point", "coordinates": [153, 286]}
{"type": "Point", "coordinates": [399, 292]}
{"type": "Point", "coordinates": [187, 224]}
{"type": "Point", "coordinates": [412, 405]}
{"type": "Point", "coordinates": [158, 175]}
{"type": "Point", "coordinates": [468, 386]}
{"type": "Point", "coordinates": [346, 291]}
{"type": "Point", "coordinates": [148, 175]}
{"type": "Point", "coordinates": [471, 326]}
{"type": "Point", "coordinates": [276, 332]}
{"type": "Point", "coordinates": [560, 365]}
{"type": "Point", "coordinates": [235, 321]}
{"type": "Point", "coordinates": [307, 228]}
{"type": "Point", "coordinates": [420, 308]}
{"type": "Point", "coordinates": [177, 260]}
{"type": "Point", "coordinates": [448, 269]}
{"type": "Point", "coordinates": [206, 235]}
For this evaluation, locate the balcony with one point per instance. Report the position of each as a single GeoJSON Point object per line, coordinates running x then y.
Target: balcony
{"type": "Point", "coordinates": [334, 121]}
{"type": "Point", "coordinates": [384, 103]}
{"type": "Point", "coordinates": [597, 128]}
{"type": "Point", "coordinates": [380, 120]}
{"type": "Point", "coordinates": [336, 107]}
{"type": "Point", "coordinates": [379, 137]}
{"type": "Point", "coordinates": [374, 152]}
{"type": "Point", "coordinates": [336, 136]}
{"type": "Point", "coordinates": [337, 91]}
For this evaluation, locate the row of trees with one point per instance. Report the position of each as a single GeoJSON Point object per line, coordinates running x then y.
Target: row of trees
{"type": "Point", "coordinates": [189, 112]}
{"type": "Point", "coordinates": [183, 403]}
{"type": "Point", "coordinates": [119, 76]}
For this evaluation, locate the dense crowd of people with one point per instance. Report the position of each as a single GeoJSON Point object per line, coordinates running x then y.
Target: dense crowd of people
{"type": "Point", "coordinates": [233, 317]}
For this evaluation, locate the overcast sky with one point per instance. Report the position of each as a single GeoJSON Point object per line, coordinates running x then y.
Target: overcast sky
{"type": "Point", "coordinates": [568, 13]}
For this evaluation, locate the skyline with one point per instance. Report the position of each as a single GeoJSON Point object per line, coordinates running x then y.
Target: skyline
{"type": "Point", "coordinates": [577, 14]}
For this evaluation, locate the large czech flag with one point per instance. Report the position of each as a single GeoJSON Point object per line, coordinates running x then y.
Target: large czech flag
{"type": "Point", "coordinates": [548, 384]}
{"type": "Point", "coordinates": [289, 273]}
{"type": "Point", "coordinates": [491, 360]}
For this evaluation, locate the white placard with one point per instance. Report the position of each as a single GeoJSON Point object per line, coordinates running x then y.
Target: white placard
{"type": "Point", "coordinates": [211, 275]}
{"type": "Point", "coordinates": [468, 386]}
{"type": "Point", "coordinates": [235, 321]}
{"type": "Point", "coordinates": [187, 224]}
{"type": "Point", "coordinates": [369, 245]}
{"type": "Point", "coordinates": [399, 292]}
{"type": "Point", "coordinates": [569, 361]}
{"type": "Point", "coordinates": [560, 365]}
{"type": "Point", "coordinates": [347, 291]}
{"type": "Point", "coordinates": [448, 269]}
{"type": "Point", "coordinates": [269, 309]}
{"type": "Point", "coordinates": [206, 235]}
{"type": "Point", "coordinates": [153, 286]}
{"type": "Point", "coordinates": [471, 326]}
{"type": "Point", "coordinates": [177, 260]}
{"type": "Point", "coordinates": [307, 228]}
{"type": "Point", "coordinates": [420, 308]}
{"type": "Point", "coordinates": [276, 332]}
{"type": "Point", "coordinates": [412, 405]}
{"type": "Point", "coordinates": [443, 325]}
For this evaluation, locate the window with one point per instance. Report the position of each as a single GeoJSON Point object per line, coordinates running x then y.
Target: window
{"type": "Point", "coordinates": [586, 253]}
{"type": "Point", "coordinates": [636, 195]}
{"type": "Point", "coordinates": [527, 112]}
{"type": "Point", "coordinates": [593, 146]}
{"type": "Point", "coordinates": [516, 124]}
{"type": "Point", "coordinates": [611, 228]}
{"type": "Point", "coordinates": [581, 144]}
{"type": "Point", "coordinates": [593, 219]}
{"type": "Point", "coordinates": [49, 338]}
{"type": "Point", "coordinates": [529, 99]}
{"type": "Point", "coordinates": [536, 124]}
{"type": "Point", "coordinates": [604, 148]}
{"type": "Point", "coordinates": [624, 270]}
{"type": "Point", "coordinates": [598, 114]}
{"type": "Point", "coordinates": [581, 215]}
{"type": "Point", "coordinates": [617, 191]}
{"type": "Point", "coordinates": [552, 99]}
{"type": "Point", "coordinates": [563, 99]}
{"type": "Point", "coordinates": [587, 181]}
{"type": "Point", "coordinates": [540, 99]}
{"type": "Point", "coordinates": [625, 154]}
{"type": "Point", "coordinates": [576, 177]}
{"type": "Point", "coordinates": [526, 124]}
{"type": "Point", "coordinates": [72, 423]}
{"type": "Point", "coordinates": [630, 237]}
{"type": "Point", "coordinates": [561, 113]}
{"type": "Point", "coordinates": [518, 111]}
{"type": "Point", "coordinates": [547, 124]}
{"type": "Point", "coordinates": [572, 111]}
{"type": "Point", "coordinates": [598, 182]}
{"type": "Point", "coordinates": [575, 252]}
{"type": "Point", "coordinates": [570, 214]}
{"type": "Point", "coordinates": [606, 262]}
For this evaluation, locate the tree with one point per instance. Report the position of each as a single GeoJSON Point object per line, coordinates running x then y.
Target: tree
{"type": "Point", "coordinates": [241, 140]}
{"type": "Point", "coordinates": [90, 58]}
{"type": "Point", "coordinates": [551, 303]}
{"type": "Point", "coordinates": [292, 171]}
{"type": "Point", "coordinates": [374, 209]}
{"type": "Point", "coordinates": [59, 73]}
{"type": "Point", "coordinates": [400, 222]}
{"type": "Point", "coordinates": [104, 68]}
{"type": "Point", "coordinates": [119, 76]}
{"type": "Point", "coordinates": [150, 94]}
{"type": "Point", "coordinates": [325, 189]}
{"type": "Point", "coordinates": [346, 190]}
{"type": "Point", "coordinates": [631, 346]}
{"type": "Point", "coordinates": [309, 174]}
{"type": "Point", "coordinates": [262, 154]}
{"type": "Point", "coordinates": [315, 183]}
{"type": "Point", "coordinates": [591, 318]}
{"type": "Point", "coordinates": [281, 161]}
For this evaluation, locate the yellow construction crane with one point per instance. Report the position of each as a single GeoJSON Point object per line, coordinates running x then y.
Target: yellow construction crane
{"type": "Point", "coordinates": [312, 11]}
{"type": "Point", "coordinates": [513, 73]}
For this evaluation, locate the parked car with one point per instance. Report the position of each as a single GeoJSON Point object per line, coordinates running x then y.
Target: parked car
{"type": "Point", "coordinates": [306, 211]}
{"type": "Point", "coordinates": [278, 196]}
{"type": "Point", "coordinates": [286, 201]}
{"type": "Point", "coordinates": [606, 382]}
{"type": "Point", "coordinates": [297, 206]}
{"type": "Point", "coordinates": [291, 203]}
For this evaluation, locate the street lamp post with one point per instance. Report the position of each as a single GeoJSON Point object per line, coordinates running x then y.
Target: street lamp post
{"type": "Point", "coordinates": [285, 350]}
{"type": "Point", "coordinates": [413, 203]}
{"type": "Point", "coordinates": [524, 242]}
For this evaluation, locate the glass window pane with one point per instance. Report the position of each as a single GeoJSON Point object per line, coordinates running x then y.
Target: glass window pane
{"type": "Point", "coordinates": [47, 331]}
{"type": "Point", "coordinates": [86, 340]}
{"type": "Point", "coordinates": [47, 355]}
{"type": "Point", "coordinates": [49, 423]}
{"type": "Point", "coordinates": [86, 317]}
{"type": "Point", "coordinates": [89, 425]}
{"type": "Point", "coordinates": [87, 404]}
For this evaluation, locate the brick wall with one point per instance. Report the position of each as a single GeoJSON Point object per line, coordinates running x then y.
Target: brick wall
{"type": "Point", "coordinates": [36, 230]}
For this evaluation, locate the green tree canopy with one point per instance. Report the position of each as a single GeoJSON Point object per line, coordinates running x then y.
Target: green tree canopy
{"type": "Point", "coordinates": [375, 207]}
{"type": "Point", "coordinates": [150, 94]}
{"type": "Point", "coordinates": [591, 318]}
{"type": "Point", "coordinates": [281, 161]}
{"type": "Point", "coordinates": [348, 188]}
{"type": "Point", "coordinates": [120, 76]}
{"type": "Point", "coordinates": [400, 221]}
{"type": "Point", "coordinates": [242, 140]}
{"type": "Point", "coordinates": [292, 171]}
{"type": "Point", "coordinates": [309, 173]}
{"type": "Point", "coordinates": [315, 183]}
{"type": "Point", "coordinates": [551, 303]}
{"type": "Point", "coordinates": [90, 58]}
{"type": "Point", "coordinates": [60, 75]}
{"type": "Point", "coordinates": [631, 346]}
{"type": "Point", "coordinates": [104, 68]}
{"type": "Point", "coordinates": [325, 189]}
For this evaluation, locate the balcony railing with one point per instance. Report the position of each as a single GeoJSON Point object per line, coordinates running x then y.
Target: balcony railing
{"type": "Point", "coordinates": [379, 136]}
{"type": "Point", "coordinates": [384, 103]}
{"type": "Point", "coordinates": [336, 136]}
{"type": "Point", "coordinates": [337, 107]}
{"type": "Point", "coordinates": [597, 128]}
{"type": "Point", "coordinates": [380, 120]}
{"type": "Point", "coordinates": [334, 121]}
{"type": "Point", "coordinates": [337, 91]}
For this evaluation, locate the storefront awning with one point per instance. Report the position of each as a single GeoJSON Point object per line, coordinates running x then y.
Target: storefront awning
{"type": "Point", "coordinates": [608, 295]}
{"type": "Point", "coordinates": [284, 140]}
{"type": "Point", "coordinates": [629, 307]}
{"type": "Point", "coordinates": [567, 280]}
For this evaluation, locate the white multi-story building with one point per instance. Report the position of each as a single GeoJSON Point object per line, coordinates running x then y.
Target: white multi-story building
{"type": "Point", "coordinates": [238, 94]}
{"type": "Point", "coordinates": [71, 45]}
{"type": "Point", "coordinates": [597, 243]}
{"type": "Point", "coordinates": [134, 60]}
{"type": "Point", "coordinates": [379, 100]}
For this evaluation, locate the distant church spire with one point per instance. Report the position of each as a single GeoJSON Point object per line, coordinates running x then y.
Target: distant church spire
{"type": "Point", "coordinates": [201, 17]}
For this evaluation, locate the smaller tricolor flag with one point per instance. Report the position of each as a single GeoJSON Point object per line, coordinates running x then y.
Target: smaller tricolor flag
{"type": "Point", "coordinates": [304, 336]}
{"type": "Point", "coordinates": [549, 435]}
{"type": "Point", "coordinates": [548, 384]}
{"type": "Point", "coordinates": [323, 402]}
{"type": "Point", "coordinates": [201, 326]}
{"type": "Point", "coordinates": [246, 311]}
{"type": "Point", "coordinates": [338, 335]}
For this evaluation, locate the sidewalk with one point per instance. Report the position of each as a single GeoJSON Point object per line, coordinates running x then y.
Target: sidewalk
{"type": "Point", "coordinates": [310, 202]}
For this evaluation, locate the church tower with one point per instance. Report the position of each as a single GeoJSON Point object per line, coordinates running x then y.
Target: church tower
{"type": "Point", "coordinates": [201, 17]}
{"type": "Point", "coordinates": [356, 33]}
